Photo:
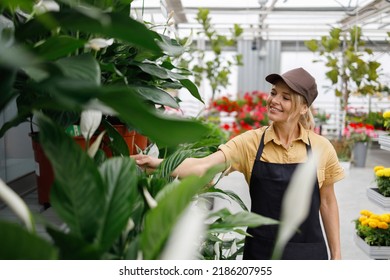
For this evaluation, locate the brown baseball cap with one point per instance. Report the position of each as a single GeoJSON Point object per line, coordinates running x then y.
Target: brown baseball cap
{"type": "Point", "coordinates": [300, 81]}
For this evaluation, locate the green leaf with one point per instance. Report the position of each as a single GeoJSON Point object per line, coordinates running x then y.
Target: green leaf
{"type": "Point", "coordinates": [170, 46]}
{"type": "Point", "coordinates": [24, 5]}
{"type": "Point", "coordinates": [192, 88]}
{"type": "Point", "coordinates": [170, 163]}
{"type": "Point", "coordinates": [72, 247]}
{"type": "Point", "coordinates": [312, 45]}
{"type": "Point", "coordinates": [7, 78]}
{"type": "Point", "coordinates": [93, 21]}
{"type": "Point", "coordinates": [228, 221]}
{"type": "Point", "coordinates": [17, 56]}
{"type": "Point", "coordinates": [120, 178]}
{"type": "Point", "coordinates": [160, 220]}
{"type": "Point", "coordinates": [149, 123]}
{"type": "Point", "coordinates": [78, 187]}
{"type": "Point", "coordinates": [82, 67]}
{"type": "Point", "coordinates": [155, 95]}
{"type": "Point", "coordinates": [117, 144]}
{"type": "Point", "coordinates": [18, 244]}
{"type": "Point", "coordinates": [59, 46]}
{"type": "Point", "coordinates": [229, 194]}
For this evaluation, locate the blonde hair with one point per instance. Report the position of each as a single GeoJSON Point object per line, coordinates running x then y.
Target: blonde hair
{"type": "Point", "coordinates": [307, 119]}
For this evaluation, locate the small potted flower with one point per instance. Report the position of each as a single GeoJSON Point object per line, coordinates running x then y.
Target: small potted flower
{"type": "Point", "coordinates": [380, 193]}
{"type": "Point", "coordinates": [382, 178]}
{"type": "Point", "coordinates": [373, 234]}
{"type": "Point", "coordinates": [384, 139]}
{"type": "Point", "coordinates": [360, 134]}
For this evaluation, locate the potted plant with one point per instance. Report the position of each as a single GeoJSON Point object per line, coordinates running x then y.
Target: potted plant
{"type": "Point", "coordinates": [136, 213]}
{"type": "Point", "coordinates": [360, 135]}
{"type": "Point", "coordinates": [373, 234]}
{"type": "Point", "coordinates": [62, 82]}
{"type": "Point", "coordinates": [384, 139]}
{"type": "Point", "coordinates": [380, 193]}
{"type": "Point", "coordinates": [343, 148]}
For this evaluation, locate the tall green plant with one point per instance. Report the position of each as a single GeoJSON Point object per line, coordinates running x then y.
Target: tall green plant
{"type": "Point", "coordinates": [217, 68]}
{"type": "Point", "coordinates": [352, 68]}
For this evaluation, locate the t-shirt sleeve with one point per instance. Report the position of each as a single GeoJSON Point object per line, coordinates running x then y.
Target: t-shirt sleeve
{"type": "Point", "coordinates": [231, 151]}
{"type": "Point", "coordinates": [333, 170]}
{"type": "Point", "coordinates": [240, 152]}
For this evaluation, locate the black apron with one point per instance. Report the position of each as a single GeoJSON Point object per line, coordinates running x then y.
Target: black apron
{"type": "Point", "coordinates": [268, 184]}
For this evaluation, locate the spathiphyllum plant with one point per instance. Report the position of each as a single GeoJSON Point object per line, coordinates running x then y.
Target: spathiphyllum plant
{"type": "Point", "coordinates": [78, 57]}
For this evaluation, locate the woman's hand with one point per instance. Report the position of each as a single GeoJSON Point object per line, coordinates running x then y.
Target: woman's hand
{"type": "Point", "coordinates": [146, 162]}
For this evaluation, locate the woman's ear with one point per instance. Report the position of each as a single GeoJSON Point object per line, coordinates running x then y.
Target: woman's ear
{"type": "Point", "coordinates": [304, 109]}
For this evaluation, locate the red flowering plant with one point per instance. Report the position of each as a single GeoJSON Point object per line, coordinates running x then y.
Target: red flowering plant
{"type": "Point", "coordinates": [242, 114]}
{"type": "Point", "coordinates": [359, 132]}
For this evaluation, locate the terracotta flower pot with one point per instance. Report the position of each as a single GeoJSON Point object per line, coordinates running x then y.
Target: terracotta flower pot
{"type": "Point", "coordinates": [44, 171]}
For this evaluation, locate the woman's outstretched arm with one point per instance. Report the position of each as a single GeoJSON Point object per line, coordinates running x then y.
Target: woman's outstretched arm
{"type": "Point", "coordinates": [190, 166]}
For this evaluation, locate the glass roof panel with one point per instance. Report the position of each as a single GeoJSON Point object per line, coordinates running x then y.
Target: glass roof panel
{"type": "Point", "coordinates": [274, 19]}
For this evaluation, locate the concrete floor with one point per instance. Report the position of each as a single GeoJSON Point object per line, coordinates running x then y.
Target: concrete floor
{"type": "Point", "coordinates": [351, 195]}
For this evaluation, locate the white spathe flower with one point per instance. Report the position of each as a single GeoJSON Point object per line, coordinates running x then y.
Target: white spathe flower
{"type": "Point", "coordinates": [17, 205]}
{"type": "Point", "coordinates": [89, 122]}
{"type": "Point", "coordinates": [296, 202]}
{"type": "Point", "coordinates": [99, 43]}
{"type": "Point", "coordinates": [153, 151]}
{"type": "Point", "coordinates": [95, 145]}
{"type": "Point", "coordinates": [45, 6]}
{"type": "Point", "coordinates": [216, 251]}
{"type": "Point", "coordinates": [186, 236]}
{"type": "Point", "coordinates": [149, 199]}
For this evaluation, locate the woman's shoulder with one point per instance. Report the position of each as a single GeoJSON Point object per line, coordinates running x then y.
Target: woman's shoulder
{"type": "Point", "coordinates": [321, 143]}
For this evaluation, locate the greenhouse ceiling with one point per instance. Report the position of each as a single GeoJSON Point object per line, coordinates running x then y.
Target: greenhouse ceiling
{"type": "Point", "coordinates": [273, 19]}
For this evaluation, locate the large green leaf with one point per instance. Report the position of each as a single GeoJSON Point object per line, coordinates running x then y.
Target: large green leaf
{"type": "Point", "coordinates": [78, 192]}
{"type": "Point", "coordinates": [7, 78]}
{"type": "Point", "coordinates": [192, 88]}
{"type": "Point", "coordinates": [213, 191]}
{"type": "Point", "coordinates": [25, 5]}
{"type": "Point", "coordinates": [165, 130]}
{"type": "Point", "coordinates": [117, 144]}
{"type": "Point", "coordinates": [155, 95]}
{"type": "Point", "coordinates": [17, 56]}
{"type": "Point", "coordinates": [120, 178]}
{"type": "Point", "coordinates": [72, 247]}
{"type": "Point", "coordinates": [164, 73]}
{"type": "Point", "coordinates": [93, 21]}
{"type": "Point", "coordinates": [59, 46]}
{"type": "Point", "coordinates": [82, 67]}
{"type": "Point", "coordinates": [160, 220]}
{"type": "Point", "coordinates": [18, 244]}
{"type": "Point", "coordinates": [228, 221]}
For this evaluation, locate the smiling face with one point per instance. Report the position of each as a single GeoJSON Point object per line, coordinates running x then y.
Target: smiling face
{"type": "Point", "coordinates": [283, 104]}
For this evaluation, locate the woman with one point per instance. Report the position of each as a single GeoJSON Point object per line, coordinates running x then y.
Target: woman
{"type": "Point", "coordinates": [268, 157]}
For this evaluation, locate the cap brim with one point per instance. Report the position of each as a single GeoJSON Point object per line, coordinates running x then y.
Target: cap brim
{"type": "Point", "coordinates": [273, 78]}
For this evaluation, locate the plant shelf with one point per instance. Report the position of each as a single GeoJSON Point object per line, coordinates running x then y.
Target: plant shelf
{"type": "Point", "coordinates": [374, 195]}
{"type": "Point", "coordinates": [384, 142]}
{"type": "Point", "coordinates": [374, 252]}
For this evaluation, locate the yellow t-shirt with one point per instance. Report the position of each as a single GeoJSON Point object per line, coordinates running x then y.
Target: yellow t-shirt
{"type": "Point", "coordinates": [240, 153]}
